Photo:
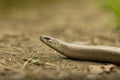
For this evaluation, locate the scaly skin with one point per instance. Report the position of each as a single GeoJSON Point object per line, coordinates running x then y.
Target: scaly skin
{"type": "Point", "coordinates": [83, 52]}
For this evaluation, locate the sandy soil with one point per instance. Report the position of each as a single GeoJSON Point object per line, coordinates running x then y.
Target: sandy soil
{"type": "Point", "coordinates": [23, 56]}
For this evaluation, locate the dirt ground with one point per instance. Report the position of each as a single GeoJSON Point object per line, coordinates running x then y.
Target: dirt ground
{"type": "Point", "coordinates": [24, 57]}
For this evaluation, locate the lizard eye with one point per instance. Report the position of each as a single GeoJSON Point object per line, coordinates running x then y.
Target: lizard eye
{"type": "Point", "coordinates": [47, 38]}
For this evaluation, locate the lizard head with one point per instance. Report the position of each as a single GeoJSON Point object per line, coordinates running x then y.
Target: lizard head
{"type": "Point", "coordinates": [53, 42]}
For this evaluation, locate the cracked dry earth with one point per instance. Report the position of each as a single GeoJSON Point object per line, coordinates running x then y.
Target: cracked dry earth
{"type": "Point", "coordinates": [24, 57]}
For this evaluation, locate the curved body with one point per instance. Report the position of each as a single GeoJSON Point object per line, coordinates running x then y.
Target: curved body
{"type": "Point", "coordinates": [83, 52]}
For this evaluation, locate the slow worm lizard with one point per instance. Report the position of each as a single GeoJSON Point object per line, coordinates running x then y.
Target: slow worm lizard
{"type": "Point", "coordinates": [84, 52]}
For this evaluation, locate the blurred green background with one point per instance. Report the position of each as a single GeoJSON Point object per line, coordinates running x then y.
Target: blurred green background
{"type": "Point", "coordinates": [30, 8]}
{"type": "Point", "coordinates": [8, 7]}
{"type": "Point", "coordinates": [114, 7]}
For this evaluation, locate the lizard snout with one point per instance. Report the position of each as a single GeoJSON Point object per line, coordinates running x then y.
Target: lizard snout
{"type": "Point", "coordinates": [43, 38]}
